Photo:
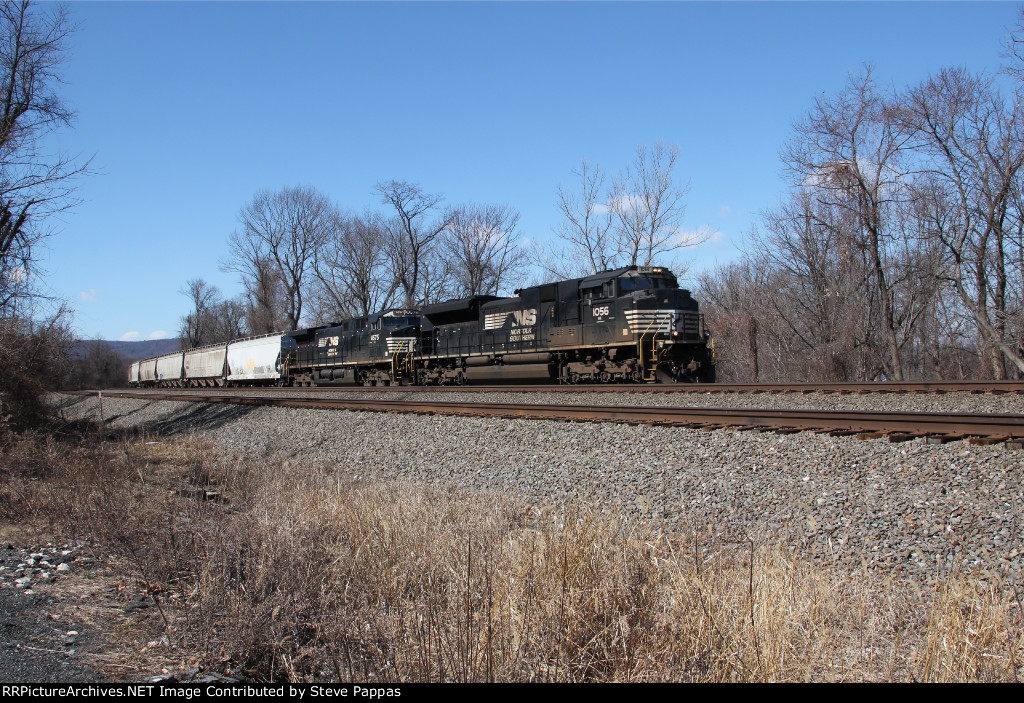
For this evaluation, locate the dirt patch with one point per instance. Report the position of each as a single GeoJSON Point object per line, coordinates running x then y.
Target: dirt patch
{"type": "Point", "coordinates": [85, 623]}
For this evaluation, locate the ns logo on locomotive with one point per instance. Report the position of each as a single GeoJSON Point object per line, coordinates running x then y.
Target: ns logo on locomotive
{"type": "Point", "coordinates": [633, 324]}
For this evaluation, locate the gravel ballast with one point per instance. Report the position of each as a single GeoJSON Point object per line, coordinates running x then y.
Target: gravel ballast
{"type": "Point", "coordinates": [908, 508]}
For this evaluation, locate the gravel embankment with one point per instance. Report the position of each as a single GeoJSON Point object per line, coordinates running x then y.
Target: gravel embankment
{"type": "Point", "coordinates": [910, 508]}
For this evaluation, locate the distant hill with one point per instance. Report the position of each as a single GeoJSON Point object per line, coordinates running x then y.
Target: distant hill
{"type": "Point", "coordinates": [131, 350]}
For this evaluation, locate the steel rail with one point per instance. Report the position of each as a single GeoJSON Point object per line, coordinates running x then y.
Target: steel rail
{"type": "Point", "coordinates": [950, 425]}
{"type": "Point", "coordinates": [996, 387]}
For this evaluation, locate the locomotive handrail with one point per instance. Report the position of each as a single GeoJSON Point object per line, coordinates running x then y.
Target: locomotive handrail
{"type": "Point", "coordinates": [404, 366]}
{"type": "Point", "coordinates": [654, 349]}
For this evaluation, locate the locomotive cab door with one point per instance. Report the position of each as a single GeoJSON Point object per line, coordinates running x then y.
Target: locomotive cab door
{"type": "Point", "coordinates": [598, 313]}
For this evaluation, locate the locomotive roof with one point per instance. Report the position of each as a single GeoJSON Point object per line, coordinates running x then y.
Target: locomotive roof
{"type": "Point", "coordinates": [459, 304]}
{"type": "Point", "coordinates": [605, 275]}
{"type": "Point", "coordinates": [393, 312]}
{"type": "Point", "coordinates": [306, 333]}
{"type": "Point", "coordinates": [624, 271]}
{"type": "Point", "coordinates": [599, 278]}
{"type": "Point", "coordinates": [359, 322]}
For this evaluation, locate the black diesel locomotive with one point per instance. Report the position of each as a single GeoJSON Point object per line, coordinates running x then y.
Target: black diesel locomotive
{"type": "Point", "coordinates": [633, 324]}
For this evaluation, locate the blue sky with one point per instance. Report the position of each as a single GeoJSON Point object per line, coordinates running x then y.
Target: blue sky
{"type": "Point", "coordinates": [188, 109]}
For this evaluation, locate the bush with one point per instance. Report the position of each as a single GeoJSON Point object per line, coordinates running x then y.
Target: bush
{"type": "Point", "coordinates": [33, 360]}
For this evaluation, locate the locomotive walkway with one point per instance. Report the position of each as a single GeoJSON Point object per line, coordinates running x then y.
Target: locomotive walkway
{"type": "Point", "coordinates": [896, 426]}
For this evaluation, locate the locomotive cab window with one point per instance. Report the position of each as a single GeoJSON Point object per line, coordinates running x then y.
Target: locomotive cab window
{"type": "Point", "coordinates": [631, 284]}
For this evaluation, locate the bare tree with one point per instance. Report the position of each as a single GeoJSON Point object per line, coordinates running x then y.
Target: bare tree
{"type": "Point", "coordinates": [230, 320]}
{"type": "Point", "coordinates": [818, 295]}
{"type": "Point", "coordinates": [483, 244]}
{"type": "Point", "coordinates": [734, 301]}
{"type": "Point", "coordinates": [34, 182]}
{"type": "Point", "coordinates": [264, 295]}
{"type": "Point", "coordinates": [211, 319]}
{"type": "Point", "coordinates": [850, 153]}
{"type": "Point", "coordinates": [972, 151]}
{"type": "Point", "coordinates": [637, 221]}
{"type": "Point", "coordinates": [900, 249]}
{"type": "Point", "coordinates": [411, 232]}
{"type": "Point", "coordinates": [281, 234]}
{"type": "Point", "coordinates": [648, 207]}
{"type": "Point", "coordinates": [1013, 50]}
{"type": "Point", "coordinates": [96, 365]}
{"type": "Point", "coordinates": [437, 276]}
{"type": "Point", "coordinates": [34, 357]}
{"type": "Point", "coordinates": [585, 233]}
{"type": "Point", "coordinates": [197, 325]}
{"type": "Point", "coordinates": [352, 272]}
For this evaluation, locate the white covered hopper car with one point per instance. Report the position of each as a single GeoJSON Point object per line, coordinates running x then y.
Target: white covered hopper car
{"type": "Point", "coordinates": [168, 369]}
{"type": "Point", "coordinates": [204, 366]}
{"type": "Point", "coordinates": [255, 360]}
{"type": "Point", "coordinates": [252, 361]}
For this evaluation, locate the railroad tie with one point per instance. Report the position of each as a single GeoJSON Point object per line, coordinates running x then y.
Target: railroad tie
{"type": "Point", "coordinates": [944, 438]}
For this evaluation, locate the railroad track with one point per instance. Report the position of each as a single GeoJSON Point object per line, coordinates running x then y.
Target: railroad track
{"type": "Point", "coordinates": [994, 387]}
{"type": "Point", "coordinates": [896, 426]}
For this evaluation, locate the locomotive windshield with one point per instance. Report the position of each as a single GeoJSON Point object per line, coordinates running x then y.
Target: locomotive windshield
{"type": "Point", "coordinates": [628, 284]}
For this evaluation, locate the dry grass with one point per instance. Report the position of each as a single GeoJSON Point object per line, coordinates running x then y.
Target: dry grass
{"type": "Point", "coordinates": [294, 572]}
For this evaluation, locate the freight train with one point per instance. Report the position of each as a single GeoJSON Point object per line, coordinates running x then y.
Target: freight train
{"type": "Point", "coordinates": [632, 324]}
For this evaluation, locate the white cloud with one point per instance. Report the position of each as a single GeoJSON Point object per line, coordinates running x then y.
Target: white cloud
{"type": "Point", "coordinates": [625, 203]}
{"type": "Point", "coordinates": [17, 275]}
{"type": "Point", "coordinates": [88, 296]}
{"type": "Point", "coordinates": [696, 237]}
{"type": "Point", "coordinates": [129, 337]}
{"type": "Point", "coordinates": [725, 211]}
{"type": "Point", "coordinates": [158, 334]}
